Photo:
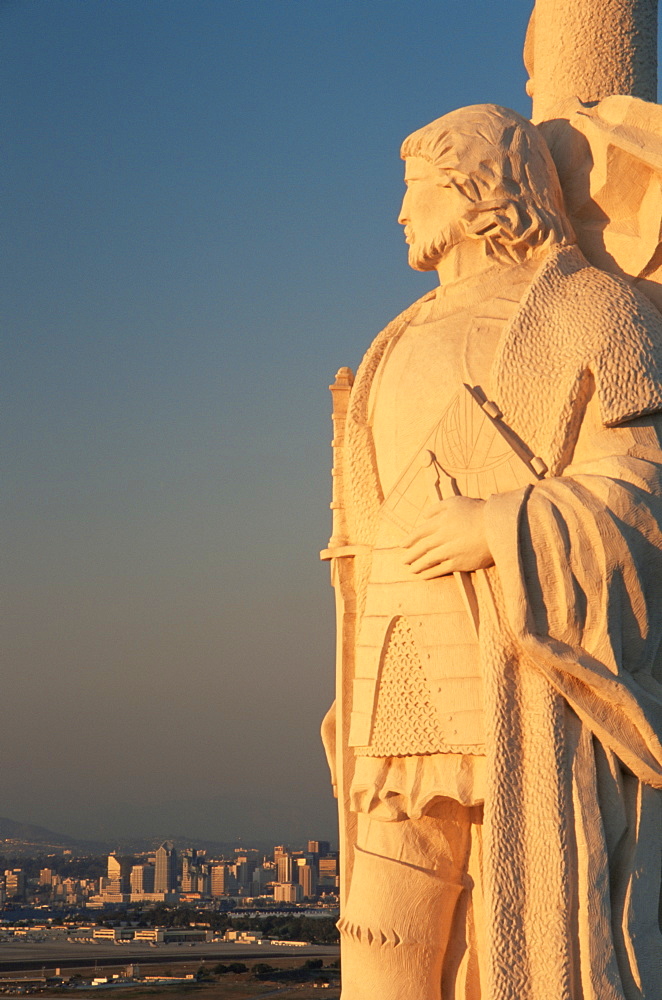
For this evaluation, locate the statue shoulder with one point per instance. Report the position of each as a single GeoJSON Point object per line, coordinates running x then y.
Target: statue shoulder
{"type": "Point", "coordinates": [401, 321]}
{"type": "Point", "coordinates": [375, 352]}
{"type": "Point", "coordinates": [612, 306]}
{"type": "Point", "coordinates": [606, 325]}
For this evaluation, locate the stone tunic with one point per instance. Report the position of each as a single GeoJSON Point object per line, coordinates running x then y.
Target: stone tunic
{"type": "Point", "coordinates": [416, 636]}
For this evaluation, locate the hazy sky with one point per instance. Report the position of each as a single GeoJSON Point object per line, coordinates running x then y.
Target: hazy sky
{"type": "Point", "coordinates": [200, 229]}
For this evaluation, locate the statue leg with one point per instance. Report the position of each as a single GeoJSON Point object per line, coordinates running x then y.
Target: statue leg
{"type": "Point", "coordinates": [397, 922]}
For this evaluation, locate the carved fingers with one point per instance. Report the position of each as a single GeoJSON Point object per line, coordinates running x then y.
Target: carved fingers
{"type": "Point", "coordinates": [452, 539]}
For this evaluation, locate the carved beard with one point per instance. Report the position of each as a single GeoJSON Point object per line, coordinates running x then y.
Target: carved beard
{"type": "Point", "coordinates": [426, 256]}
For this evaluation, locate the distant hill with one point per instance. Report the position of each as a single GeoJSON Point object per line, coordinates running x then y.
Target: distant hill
{"type": "Point", "coordinates": [25, 835]}
{"type": "Point", "coordinates": [196, 818]}
{"type": "Point", "coordinates": [214, 848]}
{"type": "Point", "coordinates": [28, 839]}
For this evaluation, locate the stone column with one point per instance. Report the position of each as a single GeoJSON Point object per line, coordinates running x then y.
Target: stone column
{"type": "Point", "coordinates": [590, 49]}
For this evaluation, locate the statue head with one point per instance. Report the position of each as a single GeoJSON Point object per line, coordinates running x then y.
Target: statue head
{"type": "Point", "coordinates": [481, 173]}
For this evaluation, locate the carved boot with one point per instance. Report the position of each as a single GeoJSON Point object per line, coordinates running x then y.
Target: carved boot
{"type": "Point", "coordinates": [394, 930]}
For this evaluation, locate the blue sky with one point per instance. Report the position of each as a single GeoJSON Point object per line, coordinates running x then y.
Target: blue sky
{"type": "Point", "coordinates": [200, 229]}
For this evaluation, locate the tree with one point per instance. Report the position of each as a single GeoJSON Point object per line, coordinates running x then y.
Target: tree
{"type": "Point", "coordinates": [261, 970]}
{"type": "Point", "coordinates": [237, 968]}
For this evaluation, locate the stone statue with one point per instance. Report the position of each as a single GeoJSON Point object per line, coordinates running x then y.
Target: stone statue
{"type": "Point", "coordinates": [497, 560]}
{"type": "Point", "coordinates": [590, 49]}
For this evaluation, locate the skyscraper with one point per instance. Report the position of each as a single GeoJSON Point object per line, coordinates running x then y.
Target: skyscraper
{"type": "Point", "coordinates": [319, 847]}
{"type": "Point", "coordinates": [245, 864]}
{"type": "Point", "coordinates": [189, 869]}
{"type": "Point", "coordinates": [328, 867]}
{"type": "Point", "coordinates": [46, 876]}
{"type": "Point", "coordinates": [285, 868]}
{"type": "Point", "coordinates": [165, 878]}
{"type": "Point", "coordinates": [223, 880]}
{"type": "Point", "coordinates": [15, 883]}
{"type": "Point", "coordinates": [119, 872]}
{"type": "Point", "coordinates": [142, 878]}
{"type": "Point", "coordinates": [307, 877]}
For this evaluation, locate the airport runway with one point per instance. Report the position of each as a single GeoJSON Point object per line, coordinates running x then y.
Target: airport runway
{"type": "Point", "coordinates": [48, 955]}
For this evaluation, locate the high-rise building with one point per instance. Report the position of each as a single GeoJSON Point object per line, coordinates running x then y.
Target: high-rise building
{"type": "Point", "coordinates": [307, 877]}
{"type": "Point", "coordinates": [204, 880]}
{"type": "Point", "coordinates": [285, 868]}
{"type": "Point", "coordinates": [195, 873]}
{"type": "Point", "coordinates": [165, 876]}
{"type": "Point", "coordinates": [319, 847]}
{"type": "Point", "coordinates": [244, 867]}
{"type": "Point", "coordinates": [189, 869]}
{"type": "Point", "coordinates": [223, 880]}
{"type": "Point", "coordinates": [262, 876]}
{"type": "Point", "coordinates": [327, 871]}
{"type": "Point", "coordinates": [15, 883]}
{"type": "Point", "coordinates": [119, 873]}
{"type": "Point", "coordinates": [72, 891]}
{"type": "Point", "coordinates": [46, 876]}
{"type": "Point", "coordinates": [142, 879]}
{"type": "Point", "coordinates": [328, 866]}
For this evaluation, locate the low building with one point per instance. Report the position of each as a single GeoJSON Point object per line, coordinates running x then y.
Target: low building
{"type": "Point", "coordinates": [244, 937]}
{"type": "Point", "coordinates": [172, 935]}
{"type": "Point", "coordinates": [80, 933]}
{"type": "Point", "coordinates": [113, 933]}
{"type": "Point", "coordinates": [169, 898]}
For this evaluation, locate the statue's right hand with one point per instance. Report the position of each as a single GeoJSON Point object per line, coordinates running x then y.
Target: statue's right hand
{"type": "Point", "coordinates": [452, 539]}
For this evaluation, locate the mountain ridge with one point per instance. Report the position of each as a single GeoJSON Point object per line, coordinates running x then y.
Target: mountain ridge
{"type": "Point", "coordinates": [30, 833]}
{"type": "Point", "coordinates": [19, 837]}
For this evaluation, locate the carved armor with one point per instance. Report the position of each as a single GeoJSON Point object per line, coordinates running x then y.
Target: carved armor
{"type": "Point", "coordinates": [417, 646]}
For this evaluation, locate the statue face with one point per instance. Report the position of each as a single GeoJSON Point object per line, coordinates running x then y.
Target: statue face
{"type": "Point", "coordinates": [432, 210]}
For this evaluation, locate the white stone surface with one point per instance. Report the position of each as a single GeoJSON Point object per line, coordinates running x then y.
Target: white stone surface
{"type": "Point", "coordinates": [609, 159]}
{"type": "Point", "coordinates": [499, 793]}
{"type": "Point", "coordinates": [590, 49]}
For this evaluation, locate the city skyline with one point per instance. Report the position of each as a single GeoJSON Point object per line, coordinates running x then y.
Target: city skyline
{"type": "Point", "coordinates": [201, 231]}
{"type": "Point", "coordinates": [170, 877]}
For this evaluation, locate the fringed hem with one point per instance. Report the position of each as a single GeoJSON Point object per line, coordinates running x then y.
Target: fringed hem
{"type": "Point", "coordinates": [398, 788]}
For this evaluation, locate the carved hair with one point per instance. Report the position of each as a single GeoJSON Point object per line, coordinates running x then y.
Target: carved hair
{"type": "Point", "coordinates": [500, 162]}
